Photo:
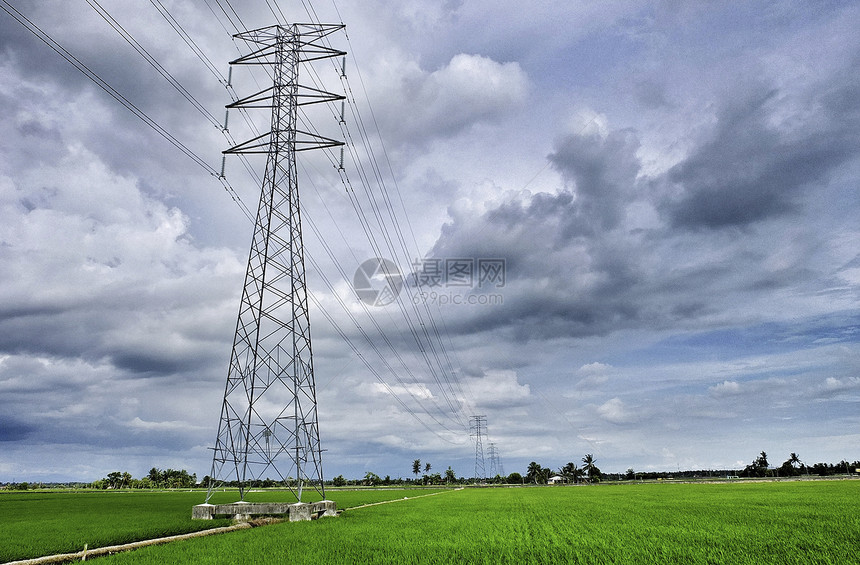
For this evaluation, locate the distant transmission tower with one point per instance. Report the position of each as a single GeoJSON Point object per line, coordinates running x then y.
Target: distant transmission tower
{"type": "Point", "coordinates": [494, 460]}
{"type": "Point", "coordinates": [496, 467]}
{"type": "Point", "coordinates": [268, 427]}
{"type": "Point", "coordinates": [478, 428]}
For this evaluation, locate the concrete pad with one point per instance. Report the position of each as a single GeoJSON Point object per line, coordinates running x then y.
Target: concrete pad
{"type": "Point", "coordinates": [300, 512]}
{"type": "Point", "coordinates": [203, 512]}
{"type": "Point", "coordinates": [244, 511]}
{"type": "Point", "coordinates": [326, 508]}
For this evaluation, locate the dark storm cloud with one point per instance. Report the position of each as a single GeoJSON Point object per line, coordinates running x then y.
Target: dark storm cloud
{"type": "Point", "coordinates": [22, 48]}
{"type": "Point", "coordinates": [578, 263]}
{"type": "Point", "coordinates": [528, 317]}
{"type": "Point", "coordinates": [752, 170]}
{"type": "Point", "coordinates": [161, 362]}
{"type": "Point", "coordinates": [600, 174]}
{"type": "Point", "coordinates": [43, 335]}
{"type": "Point", "coordinates": [555, 286]}
{"type": "Point", "coordinates": [543, 213]}
{"type": "Point", "coordinates": [93, 335]}
{"type": "Point", "coordinates": [603, 172]}
{"type": "Point", "coordinates": [13, 430]}
{"type": "Point", "coordinates": [566, 276]}
{"type": "Point", "coordinates": [106, 55]}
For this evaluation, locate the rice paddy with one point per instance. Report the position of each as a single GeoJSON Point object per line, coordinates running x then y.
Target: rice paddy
{"type": "Point", "coordinates": [786, 522]}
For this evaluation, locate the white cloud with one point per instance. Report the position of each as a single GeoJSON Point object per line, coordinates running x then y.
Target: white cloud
{"type": "Point", "coordinates": [593, 375]}
{"type": "Point", "coordinates": [417, 105]}
{"type": "Point", "coordinates": [497, 388]}
{"type": "Point", "coordinates": [832, 384]}
{"type": "Point", "coordinates": [615, 411]}
{"type": "Point", "coordinates": [725, 388]}
{"type": "Point", "coordinates": [415, 390]}
{"type": "Point", "coordinates": [170, 426]}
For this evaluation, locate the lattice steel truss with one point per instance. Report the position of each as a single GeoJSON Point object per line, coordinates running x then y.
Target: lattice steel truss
{"type": "Point", "coordinates": [493, 454]}
{"type": "Point", "coordinates": [269, 427]}
{"type": "Point", "coordinates": [478, 429]}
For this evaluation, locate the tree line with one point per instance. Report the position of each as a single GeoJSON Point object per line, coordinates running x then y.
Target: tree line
{"type": "Point", "coordinates": [570, 473]}
{"type": "Point", "coordinates": [794, 467]}
{"type": "Point", "coordinates": [587, 472]}
{"type": "Point", "coordinates": [156, 478]}
{"type": "Point", "coordinates": [535, 473]}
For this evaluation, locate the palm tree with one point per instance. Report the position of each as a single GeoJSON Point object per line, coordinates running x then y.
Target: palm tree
{"type": "Point", "coordinates": [588, 465]}
{"type": "Point", "coordinates": [793, 459]}
{"type": "Point", "coordinates": [534, 471]}
{"type": "Point", "coordinates": [571, 472]}
{"type": "Point", "coordinates": [416, 468]}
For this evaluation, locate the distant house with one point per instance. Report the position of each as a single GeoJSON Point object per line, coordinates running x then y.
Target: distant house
{"type": "Point", "coordinates": [556, 480]}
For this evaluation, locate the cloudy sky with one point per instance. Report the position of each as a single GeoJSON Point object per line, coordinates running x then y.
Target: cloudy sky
{"type": "Point", "coordinates": [673, 188]}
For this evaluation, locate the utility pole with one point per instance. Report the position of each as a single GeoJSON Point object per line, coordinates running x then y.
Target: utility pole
{"type": "Point", "coordinates": [268, 426]}
{"type": "Point", "coordinates": [478, 428]}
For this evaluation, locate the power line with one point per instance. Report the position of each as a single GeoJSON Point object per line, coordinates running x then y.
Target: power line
{"type": "Point", "coordinates": [101, 83]}
{"type": "Point", "coordinates": [432, 348]}
{"type": "Point", "coordinates": [152, 61]}
{"type": "Point", "coordinates": [395, 244]}
{"type": "Point", "coordinates": [189, 41]}
{"type": "Point", "coordinates": [370, 342]}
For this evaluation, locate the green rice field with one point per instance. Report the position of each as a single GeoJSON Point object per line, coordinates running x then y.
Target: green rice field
{"type": "Point", "coordinates": [37, 523]}
{"type": "Point", "coordinates": [769, 522]}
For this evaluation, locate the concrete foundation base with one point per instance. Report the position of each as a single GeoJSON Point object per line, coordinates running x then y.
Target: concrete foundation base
{"type": "Point", "coordinates": [244, 511]}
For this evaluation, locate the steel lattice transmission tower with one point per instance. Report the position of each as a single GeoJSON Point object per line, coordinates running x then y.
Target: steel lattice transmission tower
{"type": "Point", "coordinates": [495, 465]}
{"type": "Point", "coordinates": [269, 427]}
{"type": "Point", "coordinates": [478, 428]}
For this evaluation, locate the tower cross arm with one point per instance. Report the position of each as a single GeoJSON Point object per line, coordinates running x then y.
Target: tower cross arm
{"type": "Point", "coordinates": [265, 98]}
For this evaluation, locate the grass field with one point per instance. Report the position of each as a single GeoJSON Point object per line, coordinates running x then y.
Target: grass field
{"type": "Point", "coordinates": [34, 524]}
{"type": "Point", "coordinates": [797, 522]}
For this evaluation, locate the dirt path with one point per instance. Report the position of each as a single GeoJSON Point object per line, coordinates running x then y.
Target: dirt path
{"type": "Point", "coordinates": [107, 550]}
{"type": "Point", "coordinates": [401, 499]}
